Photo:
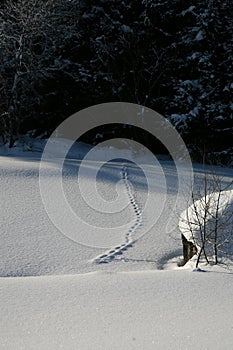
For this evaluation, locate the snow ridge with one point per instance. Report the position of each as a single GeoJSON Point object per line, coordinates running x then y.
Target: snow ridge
{"type": "Point", "coordinates": [113, 254]}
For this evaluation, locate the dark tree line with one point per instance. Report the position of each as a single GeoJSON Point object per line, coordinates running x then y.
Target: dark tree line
{"type": "Point", "coordinates": [60, 56]}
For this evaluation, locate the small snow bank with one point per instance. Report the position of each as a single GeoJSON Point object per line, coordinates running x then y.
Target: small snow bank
{"type": "Point", "coordinates": [25, 144]}
{"type": "Point", "coordinates": [26, 147]}
{"type": "Point", "coordinates": [190, 221]}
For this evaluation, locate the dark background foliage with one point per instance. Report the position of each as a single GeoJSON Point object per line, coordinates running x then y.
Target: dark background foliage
{"type": "Point", "coordinates": [58, 57]}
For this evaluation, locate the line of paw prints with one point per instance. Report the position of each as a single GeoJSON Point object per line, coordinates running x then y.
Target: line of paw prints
{"type": "Point", "coordinates": [116, 252]}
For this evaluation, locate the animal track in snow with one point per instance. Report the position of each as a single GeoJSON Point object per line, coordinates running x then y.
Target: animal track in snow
{"type": "Point", "coordinates": [113, 253]}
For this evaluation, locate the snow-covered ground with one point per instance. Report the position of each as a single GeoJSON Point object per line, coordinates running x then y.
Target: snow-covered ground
{"type": "Point", "coordinates": [119, 290]}
{"type": "Point", "coordinates": [133, 310]}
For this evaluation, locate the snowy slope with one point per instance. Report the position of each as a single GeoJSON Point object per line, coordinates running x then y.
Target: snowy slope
{"type": "Point", "coordinates": [55, 293]}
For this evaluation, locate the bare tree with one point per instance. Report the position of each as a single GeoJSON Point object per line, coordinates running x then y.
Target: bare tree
{"type": "Point", "coordinates": [23, 41]}
{"type": "Point", "coordinates": [31, 32]}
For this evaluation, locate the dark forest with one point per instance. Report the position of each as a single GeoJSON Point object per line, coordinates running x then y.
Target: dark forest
{"type": "Point", "coordinates": [58, 57]}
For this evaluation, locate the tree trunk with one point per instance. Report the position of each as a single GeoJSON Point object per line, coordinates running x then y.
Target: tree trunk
{"type": "Point", "coordinates": [189, 249]}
